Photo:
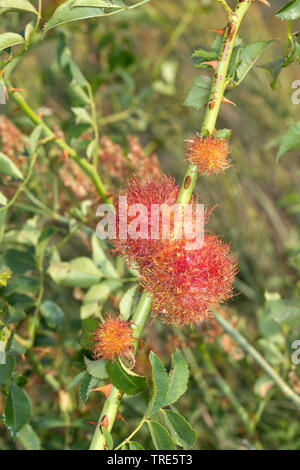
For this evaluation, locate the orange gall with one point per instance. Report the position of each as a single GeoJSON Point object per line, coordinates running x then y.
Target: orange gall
{"type": "Point", "coordinates": [113, 338]}
{"type": "Point", "coordinates": [208, 153]}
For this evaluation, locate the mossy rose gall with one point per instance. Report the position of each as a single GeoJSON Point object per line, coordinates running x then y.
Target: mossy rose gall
{"type": "Point", "coordinates": [208, 153]}
{"type": "Point", "coordinates": [113, 338]}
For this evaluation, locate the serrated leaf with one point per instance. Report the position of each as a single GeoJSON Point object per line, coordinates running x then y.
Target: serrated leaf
{"type": "Point", "coordinates": [286, 311]}
{"type": "Point", "coordinates": [80, 272]}
{"type": "Point", "coordinates": [159, 385]}
{"type": "Point", "coordinates": [65, 13]}
{"type": "Point", "coordinates": [6, 370]}
{"type": "Point", "coordinates": [124, 379]}
{"type": "Point", "coordinates": [290, 11]}
{"type": "Point", "coordinates": [18, 5]}
{"type": "Point", "coordinates": [7, 167]}
{"type": "Point", "coordinates": [17, 409]}
{"type": "Point", "coordinates": [198, 95]}
{"type": "Point", "coordinates": [52, 313]}
{"type": "Point", "coordinates": [290, 141]}
{"type": "Point", "coordinates": [97, 368]}
{"type": "Point", "coordinates": [248, 57]}
{"type": "Point", "coordinates": [181, 431]}
{"type": "Point", "coordinates": [160, 436]}
{"type": "Point", "coordinates": [87, 384]}
{"type": "Point", "coordinates": [178, 379]}
{"type": "Point", "coordinates": [9, 40]}
{"type": "Point", "coordinates": [108, 438]}
{"type": "Point", "coordinates": [29, 438]}
{"type": "Point", "coordinates": [76, 380]}
{"type": "Point", "coordinates": [126, 302]}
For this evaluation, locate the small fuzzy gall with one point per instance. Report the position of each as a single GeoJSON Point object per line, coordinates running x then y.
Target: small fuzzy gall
{"type": "Point", "coordinates": [113, 338]}
{"type": "Point", "coordinates": [188, 284]}
{"type": "Point", "coordinates": [208, 153]}
{"type": "Point", "coordinates": [153, 192]}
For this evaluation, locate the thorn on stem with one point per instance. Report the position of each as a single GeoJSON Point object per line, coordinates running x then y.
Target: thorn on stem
{"type": "Point", "coordinates": [104, 422]}
{"type": "Point", "coordinates": [218, 31]}
{"type": "Point", "coordinates": [106, 389]}
{"type": "Point", "coordinates": [211, 63]}
{"type": "Point", "coordinates": [225, 100]}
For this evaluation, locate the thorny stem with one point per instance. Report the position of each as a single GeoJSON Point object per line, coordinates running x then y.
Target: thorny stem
{"type": "Point", "coordinates": [87, 167]}
{"type": "Point", "coordinates": [236, 336]}
{"type": "Point", "coordinates": [217, 91]}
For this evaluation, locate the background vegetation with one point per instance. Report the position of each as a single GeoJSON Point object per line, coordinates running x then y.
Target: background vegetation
{"type": "Point", "coordinates": [139, 67]}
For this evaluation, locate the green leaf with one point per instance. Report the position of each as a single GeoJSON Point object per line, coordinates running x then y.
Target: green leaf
{"type": "Point", "coordinates": [18, 5]}
{"type": "Point", "coordinates": [127, 302]}
{"type": "Point", "coordinates": [6, 370]}
{"type": "Point", "coordinates": [82, 115]}
{"type": "Point", "coordinates": [223, 134]}
{"type": "Point", "coordinates": [198, 96]}
{"type": "Point", "coordinates": [9, 40]}
{"type": "Point", "coordinates": [28, 438]}
{"type": "Point", "coordinates": [124, 379]}
{"type": "Point", "coordinates": [273, 69]}
{"type": "Point", "coordinates": [181, 431]}
{"type": "Point", "coordinates": [159, 385]}
{"type": "Point", "coordinates": [76, 380]}
{"type": "Point", "coordinates": [290, 11]}
{"type": "Point", "coordinates": [271, 352]}
{"type": "Point", "coordinates": [101, 260]}
{"type": "Point", "coordinates": [89, 326]}
{"type": "Point", "coordinates": [160, 436]}
{"type": "Point", "coordinates": [108, 438]}
{"type": "Point", "coordinates": [178, 378]}
{"type": "Point", "coordinates": [133, 445]}
{"type": "Point", "coordinates": [96, 369]}
{"type": "Point", "coordinates": [80, 272]}
{"type": "Point", "coordinates": [96, 296]}
{"type": "Point", "coordinates": [86, 385]}
{"type": "Point", "coordinates": [17, 409]}
{"type": "Point", "coordinates": [34, 138]}
{"type": "Point", "coordinates": [65, 13]}
{"type": "Point", "coordinates": [248, 57]}
{"type": "Point", "coordinates": [290, 141]}
{"type": "Point", "coordinates": [52, 313]}
{"type": "Point", "coordinates": [7, 167]}
{"type": "Point", "coordinates": [22, 285]}
{"type": "Point", "coordinates": [19, 261]}
{"type": "Point", "coordinates": [285, 311]}
{"type": "Point", "coordinates": [99, 3]}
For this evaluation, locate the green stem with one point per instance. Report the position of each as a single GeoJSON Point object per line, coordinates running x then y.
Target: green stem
{"type": "Point", "coordinates": [111, 406]}
{"type": "Point", "coordinates": [82, 162]}
{"type": "Point", "coordinates": [236, 336]}
{"type": "Point", "coordinates": [226, 390]}
{"type": "Point", "coordinates": [216, 95]}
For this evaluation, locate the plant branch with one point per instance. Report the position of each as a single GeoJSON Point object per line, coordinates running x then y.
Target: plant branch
{"type": "Point", "coordinates": [246, 346]}
{"type": "Point", "coordinates": [216, 95]}
{"type": "Point", "coordinates": [82, 162]}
